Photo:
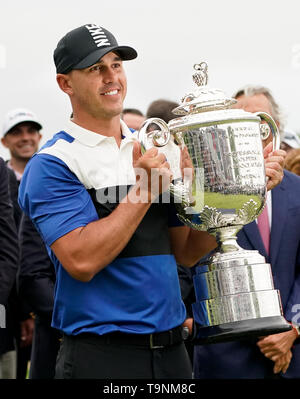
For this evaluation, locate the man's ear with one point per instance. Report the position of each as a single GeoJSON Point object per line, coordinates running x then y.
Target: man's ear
{"type": "Point", "coordinates": [3, 141]}
{"type": "Point", "coordinates": [64, 83]}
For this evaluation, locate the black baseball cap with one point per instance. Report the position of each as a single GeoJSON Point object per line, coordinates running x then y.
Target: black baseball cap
{"type": "Point", "coordinates": [84, 46]}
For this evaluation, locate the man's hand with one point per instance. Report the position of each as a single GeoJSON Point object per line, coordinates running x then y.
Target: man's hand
{"type": "Point", "coordinates": [152, 171]}
{"type": "Point", "coordinates": [26, 333]}
{"type": "Point", "coordinates": [189, 324]}
{"type": "Point", "coordinates": [282, 363]}
{"type": "Point", "coordinates": [274, 161]}
{"type": "Point", "coordinates": [276, 345]}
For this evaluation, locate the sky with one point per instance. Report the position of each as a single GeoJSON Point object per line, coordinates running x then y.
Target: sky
{"type": "Point", "coordinates": [243, 42]}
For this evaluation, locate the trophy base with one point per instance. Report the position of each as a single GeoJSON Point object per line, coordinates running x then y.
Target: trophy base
{"type": "Point", "coordinates": [238, 330]}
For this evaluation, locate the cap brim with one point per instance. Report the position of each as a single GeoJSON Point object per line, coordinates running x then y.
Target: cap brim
{"type": "Point", "coordinates": [126, 53]}
{"type": "Point", "coordinates": [291, 143]}
{"type": "Point", "coordinates": [9, 128]}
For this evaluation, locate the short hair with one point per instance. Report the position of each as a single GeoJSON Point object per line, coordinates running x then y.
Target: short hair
{"type": "Point", "coordinates": [134, 111]}
{"type": "Point", "coordinates": [251, 90]}
{"type": "Point", "coordinates": [292, 161]}
{"type": "Point", "coordinates": [162, 109]}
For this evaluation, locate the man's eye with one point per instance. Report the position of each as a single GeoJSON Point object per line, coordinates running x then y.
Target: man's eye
{"type": "Point", "coordinates": [95, 68]}
{"type": "Point", "coordinates": [117, 65]}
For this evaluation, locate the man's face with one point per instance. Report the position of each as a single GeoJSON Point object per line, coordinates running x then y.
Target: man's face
{"type": "Point", "coordinates": [256, 103]}
{"type": "Point", "coordinates": [100, 89]}
{"type": "Point", "coordinates": [22, 140]}
{"type": "Point", "coordinates": [133, 121]}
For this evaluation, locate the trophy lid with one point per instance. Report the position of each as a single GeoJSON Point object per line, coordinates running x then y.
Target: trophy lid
{"type": "Point", "coordinates": [203, 98]}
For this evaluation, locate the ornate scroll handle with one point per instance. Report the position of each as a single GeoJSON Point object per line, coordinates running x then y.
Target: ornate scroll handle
{"type": "Point", "coordinates": [154, 138]}
{"type": "Point", "coordinates": [201, 76]}
{"type": "Point", "coordinates": [265, 131]}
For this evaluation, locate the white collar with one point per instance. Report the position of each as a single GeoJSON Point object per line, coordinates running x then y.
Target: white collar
{"type": "Point", "coordinates": [92, 139]}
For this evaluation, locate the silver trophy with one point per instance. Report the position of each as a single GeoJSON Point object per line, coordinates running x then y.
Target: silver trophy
{"type": "Point", "coordinates": [216, 156]}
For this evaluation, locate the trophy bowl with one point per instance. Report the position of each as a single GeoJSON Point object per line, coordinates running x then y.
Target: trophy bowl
{"type": "Point", "coordinates": [216, 156]}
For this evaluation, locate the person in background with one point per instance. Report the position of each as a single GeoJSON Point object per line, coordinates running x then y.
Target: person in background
{"type": "Point", "coordinates": [133, 118]}
{"type": "Point", "coordinates": [9, 261]}
{"type": "Point", "coordinates": [292, 161]}
{"type": "Point", "coordinates": [276, 355]}
{"type": "Point", "coordinates": [21, 136]}
{"type": "Point", "coordinates": [162, 108]}
{"type": "Point", "coordinates": [290, 140]}
{"type": "Point", "coordinates": [36, 280]}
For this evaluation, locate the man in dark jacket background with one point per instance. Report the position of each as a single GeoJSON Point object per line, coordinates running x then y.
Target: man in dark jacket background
{"type": "Point", "coordinates": [21, 136]}
{"type": "Point", "coordinates": [9, 258]}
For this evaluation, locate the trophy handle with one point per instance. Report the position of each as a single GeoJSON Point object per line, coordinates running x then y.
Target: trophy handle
{"type": "Point", "coordinates": [271, 126]}
{"type": "Point", "coordinates": [153, 138]}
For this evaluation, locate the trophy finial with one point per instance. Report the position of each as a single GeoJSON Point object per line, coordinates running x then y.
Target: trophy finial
{"type": "Point", "coordinates": [203, 98]}
{"type": "Point", "coordinates": [201, 76]}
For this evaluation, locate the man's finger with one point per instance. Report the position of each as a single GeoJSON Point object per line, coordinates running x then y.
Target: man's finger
{"type": "Point", "coordinates": [276, 368]}
{"type": "Point", "coordinates": [268, 149]}
{"type": "Point", "coordinates": [162, 158]}
{"type": "Point", "coordinates": [275, 159]}
{"type": "Point", "coordinates": [136, 151]}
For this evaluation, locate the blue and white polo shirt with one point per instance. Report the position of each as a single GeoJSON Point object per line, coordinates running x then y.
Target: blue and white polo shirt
{"type": "Point", "coordinates": [73, 180]}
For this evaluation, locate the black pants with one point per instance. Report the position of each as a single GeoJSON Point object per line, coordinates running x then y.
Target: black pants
{"type": "Point", "coordinates": [45, 347]}
{"type": "Point", "coordinates": [100, 357]}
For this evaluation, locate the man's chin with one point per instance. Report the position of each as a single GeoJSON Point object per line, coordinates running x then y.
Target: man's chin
{"type": "Point", "coordinates": [109, 114]}
{"type": "Point", "coordinates": [25, 157]}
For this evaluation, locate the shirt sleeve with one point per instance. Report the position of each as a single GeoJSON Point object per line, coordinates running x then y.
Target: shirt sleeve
{"type": "Point", "coordinates": [54, 198]}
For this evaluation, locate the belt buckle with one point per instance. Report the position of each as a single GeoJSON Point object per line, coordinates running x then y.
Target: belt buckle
{"type": "Point", "coordinates": [152, 346]}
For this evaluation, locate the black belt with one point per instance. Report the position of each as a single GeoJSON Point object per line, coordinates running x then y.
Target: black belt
{"type": "Point", "coordinates": [153, 341]}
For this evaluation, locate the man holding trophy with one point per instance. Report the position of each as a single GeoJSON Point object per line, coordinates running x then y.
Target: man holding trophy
{"type": "Point", "coordinates": [93, 196]}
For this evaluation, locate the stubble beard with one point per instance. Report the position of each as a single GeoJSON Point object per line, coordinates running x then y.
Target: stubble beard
{"type": "Point", "coordinates": [21, 158]}
{"type": "Point", "coordinates": [100, 112]}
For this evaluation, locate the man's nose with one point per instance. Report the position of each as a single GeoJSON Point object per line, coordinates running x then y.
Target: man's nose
{"type": "Point", "coordinates": [25, 135]}
{"type": "Point", "coordinates": [109, 75]}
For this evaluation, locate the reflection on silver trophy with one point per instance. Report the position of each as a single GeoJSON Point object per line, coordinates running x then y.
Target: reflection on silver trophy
{"type": "Point", "coordinates": [216, 156]}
